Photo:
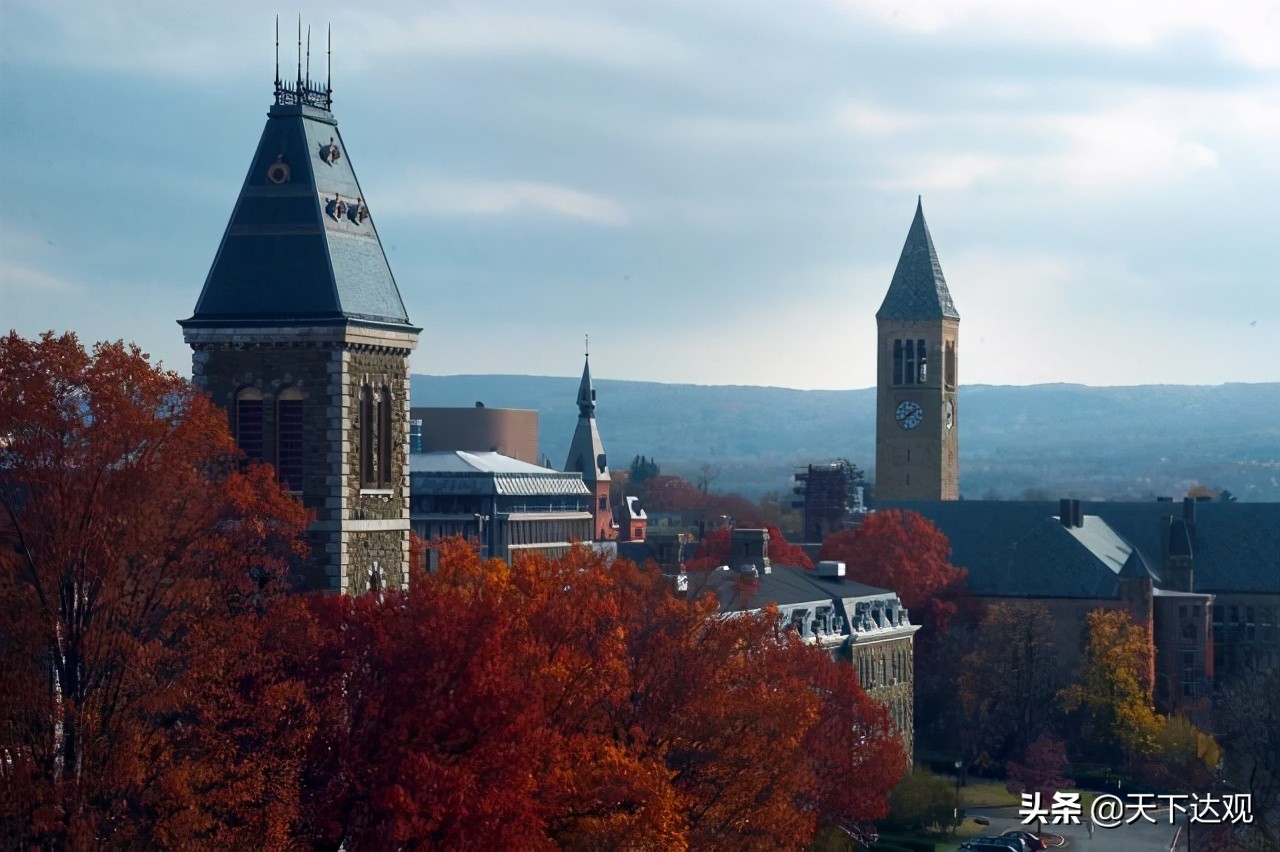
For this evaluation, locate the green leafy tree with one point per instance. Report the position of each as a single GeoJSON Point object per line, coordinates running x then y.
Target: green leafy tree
{"type": "Point", "coordinates": [920, 800]}
{"type": "Point", "coordinates": [643, 468]}
{"type": "Point", "coordinates": [1185, 757]}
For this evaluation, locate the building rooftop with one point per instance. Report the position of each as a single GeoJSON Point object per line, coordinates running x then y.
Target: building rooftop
{"type": "Point", "coordinates": [300, 248]}
{"type": "Point", "coordinates": [918, 290]}
{"type": "Point", "coordinates": [461, 472]}
{"type": "Point", "coordinates": [461, 461]}
{"type": "Point", "coordinates": [1236, 545]}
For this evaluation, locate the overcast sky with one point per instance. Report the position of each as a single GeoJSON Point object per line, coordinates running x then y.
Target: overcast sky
{"type": "Point", "coordinates": [717, 191]}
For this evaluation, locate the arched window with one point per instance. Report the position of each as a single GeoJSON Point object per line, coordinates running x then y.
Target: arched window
{"type": "Point", "coordinates": [249, 423]}
{"type": "Point", "coordinates": [950, 364]}
{"type": "Point", "coordinates": [368, 475]}
{"type": "Point", "coordinates": [897, 362]}
{"type": "Point", "coordinates": [922, 363]}
{"type": "Point", "coordinates": [384, 438]}
{"type": "Point", "coordinates": [289, 439]}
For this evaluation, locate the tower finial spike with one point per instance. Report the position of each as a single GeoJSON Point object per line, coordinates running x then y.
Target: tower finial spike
{"type": "Point", "coordinates": [299, 51]}
{"type": "Point", "coordinates": [328, 69]}
{"type": "Point", "coordinates": [277, 51]}
{"type": "Point", "coordinates": [587, 342]}
{"type": "Point", "coordinates": [308, 56]}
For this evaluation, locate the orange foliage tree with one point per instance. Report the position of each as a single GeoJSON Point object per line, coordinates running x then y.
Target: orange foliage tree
{"type": "Point", "coordinates": [577, 702]}
{"type": "Point", "coordinates": [905, 552]}
{"type": "Point", "coordinates": [1113, 687]}
{"type": "Point", "coordinates": [142, 700]}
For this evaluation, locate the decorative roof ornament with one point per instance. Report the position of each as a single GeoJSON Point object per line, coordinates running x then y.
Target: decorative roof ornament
{"type": "Point", "coordinates": [279, 171]}
{"type": "Point", "coordinates": [330, 153]}
{"type": "Point", "coordinates": [302, 90]}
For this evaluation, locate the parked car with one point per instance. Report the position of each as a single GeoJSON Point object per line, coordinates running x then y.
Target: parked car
{"type": "Point", "coordinates": [1004, 843]}
{"type": "Point", "coordinates": [1034, 842]}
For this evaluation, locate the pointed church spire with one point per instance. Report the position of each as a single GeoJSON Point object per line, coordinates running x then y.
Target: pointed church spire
{"type": "Point", "coordinates": [918, 290]}
{"type": "Point", "coordinates": [586, 450]}
{"type": "Point", "coordinates": [586, 394]}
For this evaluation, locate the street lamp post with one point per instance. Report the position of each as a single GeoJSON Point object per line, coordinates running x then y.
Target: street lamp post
{"type": "Point", "coordinates": [959, 764]}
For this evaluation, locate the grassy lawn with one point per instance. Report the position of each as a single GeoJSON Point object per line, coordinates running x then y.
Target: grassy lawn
{"type": "Point", "coordinates": [987, 794]}
{"type": "Point", "coordinates": [992, 794]}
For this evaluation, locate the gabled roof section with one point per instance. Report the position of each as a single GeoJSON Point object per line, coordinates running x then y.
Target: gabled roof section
{"type": "Point", "coordinates": [918, 290]}
{"type": "Point", "coordinates": [1236, 545]}
{"type": "Point", "coordinates": [301, 248]}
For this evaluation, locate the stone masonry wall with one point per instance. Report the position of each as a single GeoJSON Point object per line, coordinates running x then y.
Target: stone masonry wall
{"type": "Point", "coordinates": [353, 528]}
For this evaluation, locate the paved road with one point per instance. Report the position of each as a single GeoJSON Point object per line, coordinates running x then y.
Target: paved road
{"type": "Point", "coordinates": [1140, 836]}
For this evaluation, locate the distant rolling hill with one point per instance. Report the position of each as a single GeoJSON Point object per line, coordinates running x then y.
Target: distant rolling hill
{"type": "Point", "coordinates": [1059, 439]}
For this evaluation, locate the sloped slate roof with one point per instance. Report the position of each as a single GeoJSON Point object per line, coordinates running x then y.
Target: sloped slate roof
{"type": "Point", "coordinates": [1237, 545]}
{"type": "Point", "coordinates": [918, 290]}
{"type": "Point", "coordinates": [462, 461]}
{"type": "Point", "coordinates": [461, 472]}
{"type": "Point", "coordinates": [787, 585]}
{"type": "Point", "coordinates": [290, 255]}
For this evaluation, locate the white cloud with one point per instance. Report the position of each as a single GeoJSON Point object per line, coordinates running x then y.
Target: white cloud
{"type": "Point", "coordinates": [1247, 29]}
{"type": "Point", "coordinates": [18, 281]}
{"type": "Point", "coordinates": [1118, 140]}
{"type": "Point", "coordinates": [1113, 150]}
{"type": "Point", "coordinates": [193, 42]}
{"type": "Point", "coordinates": [942, 172]}
{"type": "Point", "coordinates": [24, 269]}
{"type": "Point", "coordinates": [470, 30]}
{"type": "Point", "coordinates": [435, 197]}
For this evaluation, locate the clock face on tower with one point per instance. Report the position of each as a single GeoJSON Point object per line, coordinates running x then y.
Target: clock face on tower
{"type": "Point", "coordinates": [908, 415]}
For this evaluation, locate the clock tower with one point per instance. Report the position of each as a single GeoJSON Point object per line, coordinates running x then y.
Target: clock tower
{"type": "Point", "coordinates": [917, 417]}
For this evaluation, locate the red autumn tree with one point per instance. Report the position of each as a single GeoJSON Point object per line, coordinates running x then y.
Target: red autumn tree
{"type": "Point", "coordinates": [431, 727]}
{"type": "Point", "coordinates": [141, 701]}
{"type": "Point", "coordinates": [1041, 770]}
{"type": "Point", "coordinates": [904, 552]}
{"type": "Point", "coordinates": [717, 544]}
{"type": "Point", "coordinates": [577, 702]}
{"type": "Point", "coordinates": [665, 493]}
{"type": "Point", "coordinates": [856, 753]}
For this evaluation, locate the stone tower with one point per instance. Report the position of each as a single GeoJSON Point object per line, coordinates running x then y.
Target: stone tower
{"type": "Point", "coordinates": [917, 416]}
{"type": "Point", "coordinates": [586, 456]}
{"type": "Point", "coordinates": [301, 335]}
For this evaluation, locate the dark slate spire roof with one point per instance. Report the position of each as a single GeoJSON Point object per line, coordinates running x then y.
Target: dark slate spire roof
{"type": "Point", "coordinates": [586, 394]}
{"type": "Point", "coordinates": [300, 248]}
{"type": "Point", "coordinates": [586, 451]}
{"type": "Point", "coordinates": [918, 290]}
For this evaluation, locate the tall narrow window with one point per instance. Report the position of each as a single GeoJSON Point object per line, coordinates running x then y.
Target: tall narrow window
{"type": "Point", "coordinates": [289, 439]}
{"type": "Point", "coordinates": [249, 423]}
{"type": "Point", "coordinates": [950, 364]}
{"type": "Point", "coordinates": [909, 368]}
{"type": "Point", "coordinates": [367, 429]}
{"type": "Point", "coordinates": [922, 362]}
{"type": "Point", "coordinates": [897, 362]}
{"type": "Point", "coordinates": [384, 438]}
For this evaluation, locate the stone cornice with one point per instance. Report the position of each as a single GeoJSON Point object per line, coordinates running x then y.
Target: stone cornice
{"type": "Point", "coordinates": [351, 337]}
